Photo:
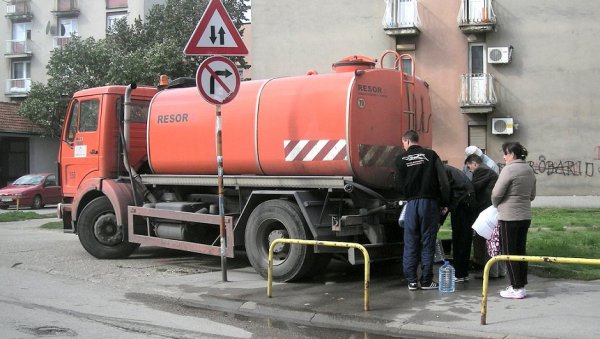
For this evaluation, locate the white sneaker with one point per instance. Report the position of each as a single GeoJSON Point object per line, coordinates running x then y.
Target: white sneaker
{"type": "Point", "coordinates": [512, 293]}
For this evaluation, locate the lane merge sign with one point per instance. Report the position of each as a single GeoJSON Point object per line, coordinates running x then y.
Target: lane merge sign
{"type": "Point", "coordinates": [215, 34]}
{"type": "Point", "coordinates": [218, 80]}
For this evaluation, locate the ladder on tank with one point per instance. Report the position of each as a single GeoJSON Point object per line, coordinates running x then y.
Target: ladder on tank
{"type": "Point", "coordinates": [407, 89]}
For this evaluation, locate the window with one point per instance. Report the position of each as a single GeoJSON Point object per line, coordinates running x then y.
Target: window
{"type": "Point", "coordinates": [72, 123]}
{"type": "Point", "coordinates": [21, 30]}
{"type": "Point", "coordinates": [67, 27]}
{"type": "Point", "coordinates": [407, 66]}
{"type": "Point", "coordinates": [50, 181]}
{"type": "Point", "coordinates": [110, 4]}
{"type": "Point", "coordinates": [477, 136]}
{"type": "Point", "coordinates": [112, 18]}
{"type": "Point", "coordinates": [21, 33]}
{"type": "Point", "coordinates": [82, 118]}
{"type": "Point", "coordinates": [66, 5]}
{"type": "Point", "coordinates": [477, 68]}
{"type": "Point", "coordinates": [21, 69]}
{"type": "Point", "coordinates": [88, 115]}
{"type": "Point", "coordinates": [476, 58]}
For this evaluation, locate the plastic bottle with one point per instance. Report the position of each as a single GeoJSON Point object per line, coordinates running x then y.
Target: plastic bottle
{"type": "Point", "coordinates": [446, 277]}
{"type": "Point", "coordinates": [439, 252]}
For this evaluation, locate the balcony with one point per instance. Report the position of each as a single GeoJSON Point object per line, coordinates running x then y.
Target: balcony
{"type": "Point", "coordinates": [17, 49]}
{"type": "Point", "coordinates": [66, 8]}
{"type": "Point", "coordinates": [18, 87]}
{"type": "Point", "coordinates": [60, 41]}
{"type": "Point", "coordinates": [477, 93]}
{"type": "Point", "coordinates": [476, 16]}
{"type": "Point", "coordinates": [19, 10]}
{"type": "Point", "coordinates": [401, 18]}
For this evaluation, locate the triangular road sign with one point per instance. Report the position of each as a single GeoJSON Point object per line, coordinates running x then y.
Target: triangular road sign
{"type": "Point", "coordinates": [215, 34]}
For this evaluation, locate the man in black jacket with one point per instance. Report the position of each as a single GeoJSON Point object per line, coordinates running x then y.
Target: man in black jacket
{"type": "Point", "coordinates": [462, 209]}
{"type": "Point", "coordinates": [421, 179]}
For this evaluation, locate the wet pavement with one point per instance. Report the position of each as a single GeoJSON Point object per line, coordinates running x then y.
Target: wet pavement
{"type": "Point", "coordinates": [552, 309]}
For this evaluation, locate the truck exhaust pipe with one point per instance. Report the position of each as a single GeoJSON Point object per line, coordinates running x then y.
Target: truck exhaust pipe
{"type": "Point", "coordinates": [133, 175]}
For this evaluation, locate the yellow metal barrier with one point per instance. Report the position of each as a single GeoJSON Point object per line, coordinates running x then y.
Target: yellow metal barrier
{"type": "Point", "coordinates": [320, 243]}
{"type": "Point", "coordinates": [493, 260]}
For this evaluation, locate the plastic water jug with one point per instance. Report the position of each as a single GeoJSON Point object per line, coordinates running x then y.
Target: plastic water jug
{"type": "Point", "coordinates": [446, 277]}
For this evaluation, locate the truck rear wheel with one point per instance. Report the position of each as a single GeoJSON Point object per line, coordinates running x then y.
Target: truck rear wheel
{"type": "Point", "coordinates": [99, 233]}
{"type": "Point", "coordinates": [272, 220]}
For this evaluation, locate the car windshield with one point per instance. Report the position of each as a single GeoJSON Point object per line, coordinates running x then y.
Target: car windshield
{"type": "Point", "coordinates": [29, 180]}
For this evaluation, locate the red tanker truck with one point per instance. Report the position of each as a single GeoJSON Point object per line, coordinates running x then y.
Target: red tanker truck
{"type": "Point", "coordinates": [304, 157]}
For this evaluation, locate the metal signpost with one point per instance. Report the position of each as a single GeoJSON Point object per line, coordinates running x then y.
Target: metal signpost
{"type": "Point", "coordinates": [218, 82]}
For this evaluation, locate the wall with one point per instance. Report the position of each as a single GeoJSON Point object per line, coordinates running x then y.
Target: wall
{"type": "Point", "coordinates": [548, 88]}
{"type": "Point", "coordinates": [91, 23]}
{"type": "Point", "coordinates": [292, 37]}
{"type": "Point", "coordinates": [43, 154]}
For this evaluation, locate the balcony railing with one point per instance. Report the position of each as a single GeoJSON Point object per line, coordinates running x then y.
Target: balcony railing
{"type": "Point", "coordinates": [19, 10]}
{"type": "Point", "coordinates": [476, 16]}
{"type": "Point", "coordinates": [67, 7]}
{"type": "Point", "coordinates": [61, 41]}
{"type": "Point", "coordinates": [18, 87]}
{"type": "Point", "coordinates": [17, 48]}
{"type": "Point", "coordinates": [401, 17]}
{"type": "Point", "coordinates": [477, 93]}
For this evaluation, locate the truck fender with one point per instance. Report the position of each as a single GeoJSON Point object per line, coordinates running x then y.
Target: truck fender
{"type": "Point", "coordinates": [120, 195]}
{"type": "Point", "coordinates": [258, 197]}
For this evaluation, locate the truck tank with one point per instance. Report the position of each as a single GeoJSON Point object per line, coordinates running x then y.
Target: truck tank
{"type": "Point", "coordinates": [347, 123]}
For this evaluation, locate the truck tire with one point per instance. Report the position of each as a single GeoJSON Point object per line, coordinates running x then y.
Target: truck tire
{"type": "Point", "coordinates": [275, 219]}
{"type": "Point", "coordinates": [99, 233]}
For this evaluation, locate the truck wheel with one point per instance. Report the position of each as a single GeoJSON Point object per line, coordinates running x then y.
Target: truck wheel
{"type": "Point", "coordinates": [99, 233]}
{"type": "Point", "coordinates": [37, 202]}
{"type": "Point", "coordinates": [272, 220]}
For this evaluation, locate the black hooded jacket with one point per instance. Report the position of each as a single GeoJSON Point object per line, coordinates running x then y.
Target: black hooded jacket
{"type": "Point", "coordinates": [483, 180]}
{"type": "Point", "coordinates": [462, 190]}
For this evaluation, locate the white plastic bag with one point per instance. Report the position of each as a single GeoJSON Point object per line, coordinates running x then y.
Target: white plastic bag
{"type": "Point", "coordinates": [486, 222]}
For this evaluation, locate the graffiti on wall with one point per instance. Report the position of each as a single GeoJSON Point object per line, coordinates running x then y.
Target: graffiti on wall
{"type": "Point", "coordinates": [576, 168]}
{"type": "Point", "coordinates": [566, 167]}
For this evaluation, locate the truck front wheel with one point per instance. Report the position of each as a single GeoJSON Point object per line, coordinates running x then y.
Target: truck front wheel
{"type": "Point", "coordinates": [99, 233]}
{"type": "Point", "coordinates": [272, 220]}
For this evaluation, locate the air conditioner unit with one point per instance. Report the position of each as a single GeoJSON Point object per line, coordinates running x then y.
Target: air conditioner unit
{"type": "Point", "coordinates": [502, 126]}
{"type": "Point", "coordinates": [499, 55]}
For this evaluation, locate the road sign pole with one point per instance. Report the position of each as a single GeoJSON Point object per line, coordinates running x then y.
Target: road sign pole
{"type": "Point", "coordinates": [216, 34]}
{"type": "Point", "coordinates": [222, 232]}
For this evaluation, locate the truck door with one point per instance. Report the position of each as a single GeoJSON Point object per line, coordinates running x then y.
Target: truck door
{"type": "Point", "coordinates": [79, 145]}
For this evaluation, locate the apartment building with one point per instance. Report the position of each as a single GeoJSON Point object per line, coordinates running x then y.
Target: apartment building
{"type": "Point", "coordinates": [498, 70]}
{"type": "Point", "coordinates": [29, 31]}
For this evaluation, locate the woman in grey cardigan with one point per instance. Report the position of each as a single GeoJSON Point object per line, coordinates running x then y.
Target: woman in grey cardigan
{"type": "Point", "coordinates": [512, 195]}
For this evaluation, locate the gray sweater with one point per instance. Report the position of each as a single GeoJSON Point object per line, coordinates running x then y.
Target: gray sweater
{"type": "Point", "coordinates": [514, 191]}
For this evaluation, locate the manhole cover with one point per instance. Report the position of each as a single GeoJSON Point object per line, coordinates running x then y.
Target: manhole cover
{"type": "Point", "coordinates": [49, 331]}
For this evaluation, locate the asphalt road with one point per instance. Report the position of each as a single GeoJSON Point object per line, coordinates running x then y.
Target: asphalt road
{"type": "Point", "coordinates": [49, 286]}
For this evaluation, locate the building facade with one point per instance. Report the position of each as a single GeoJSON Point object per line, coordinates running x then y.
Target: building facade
{"type": "Point", "coordinates": [501, 70]}
{"type": "Point", "coordinates": [29, 31]}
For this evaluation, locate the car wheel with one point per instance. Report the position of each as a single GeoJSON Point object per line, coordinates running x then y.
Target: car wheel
{"type": "Point", "coordinates": [37, 202]}
{"type": "Point", "coordinates": [4, 207]}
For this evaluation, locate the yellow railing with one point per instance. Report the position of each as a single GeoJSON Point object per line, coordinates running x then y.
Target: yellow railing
{"type": "Point", "coordinates": [493, 260]}
{"type": "Point", "coordinates": [320, 243]}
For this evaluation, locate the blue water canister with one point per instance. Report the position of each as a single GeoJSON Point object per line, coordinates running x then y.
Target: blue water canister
{"type": "Point", "coordinates": [446, 276]}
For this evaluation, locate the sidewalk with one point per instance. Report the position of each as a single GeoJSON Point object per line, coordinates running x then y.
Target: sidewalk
{"type": "Point", "coordinates": [552, 309]}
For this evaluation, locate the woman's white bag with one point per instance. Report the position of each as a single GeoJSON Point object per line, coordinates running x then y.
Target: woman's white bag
{"type": "Point", "coordinates": [486, 222]}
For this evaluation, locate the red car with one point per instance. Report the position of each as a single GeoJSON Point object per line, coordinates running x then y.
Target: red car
{"type": "Point", "coordinates": [34, 190]}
